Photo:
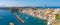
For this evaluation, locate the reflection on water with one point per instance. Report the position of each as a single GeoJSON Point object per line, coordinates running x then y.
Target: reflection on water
{"type": "Point", "coordinates": [7, 16]}
{"type": "Point", "coordinates": [30, 20]}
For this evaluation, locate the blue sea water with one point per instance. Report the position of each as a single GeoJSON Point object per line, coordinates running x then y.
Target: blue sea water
{"type": "Point", "coordinates": [7, 16]}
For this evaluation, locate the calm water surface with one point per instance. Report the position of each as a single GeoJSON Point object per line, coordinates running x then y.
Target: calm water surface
{"type": "Point", "coordinates": [6, 17]}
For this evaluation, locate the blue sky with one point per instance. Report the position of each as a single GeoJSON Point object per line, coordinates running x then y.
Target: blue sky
{"type": "Point", "coordinates": [21, 3]}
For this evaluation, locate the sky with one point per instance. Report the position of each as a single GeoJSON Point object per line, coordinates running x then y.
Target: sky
{"type": "Point", "coordinates": [34, 3]}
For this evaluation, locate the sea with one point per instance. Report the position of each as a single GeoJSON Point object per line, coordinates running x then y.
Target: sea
{"type": "Point", "coordinates": [6, 17]}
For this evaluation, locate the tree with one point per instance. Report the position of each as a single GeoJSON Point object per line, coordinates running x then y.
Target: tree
{"type": "Point", "coordinates": [57, 16]}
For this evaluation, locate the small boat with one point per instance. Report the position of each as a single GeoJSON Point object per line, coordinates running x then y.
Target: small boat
{"type": "Point", "coordinates": [20, 19]}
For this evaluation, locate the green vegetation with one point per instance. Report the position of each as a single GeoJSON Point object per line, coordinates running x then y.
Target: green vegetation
{"type": "Point", "coordinates": [57, 16]}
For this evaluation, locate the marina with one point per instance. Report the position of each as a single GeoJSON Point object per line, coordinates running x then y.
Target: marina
{"type": "Point", "coordinates": [29, 12]}
{"type": "Point", "coordinates": [29, 16]}
{"type": "Point", "coordinates": [7, 17]}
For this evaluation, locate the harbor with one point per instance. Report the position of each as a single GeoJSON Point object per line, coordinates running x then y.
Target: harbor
{"type": "Point", "coordinates": [7, 17]}
{"type": "Point", "coordinates": [29, 16]}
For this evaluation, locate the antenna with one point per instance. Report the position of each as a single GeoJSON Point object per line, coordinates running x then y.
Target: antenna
{"type": "Point", "coordinates": [44, 6]}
